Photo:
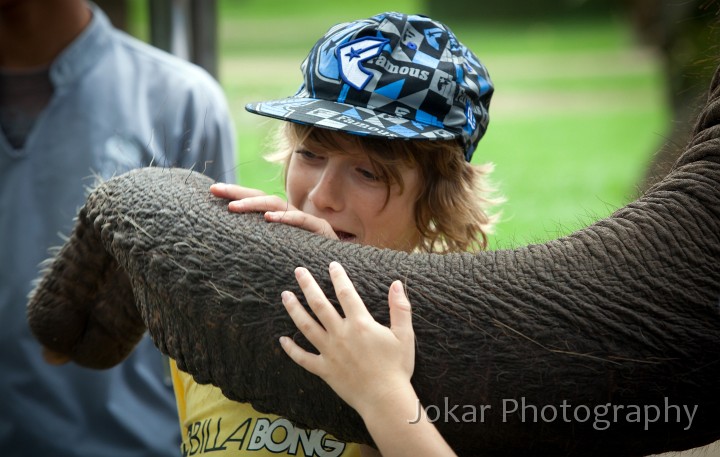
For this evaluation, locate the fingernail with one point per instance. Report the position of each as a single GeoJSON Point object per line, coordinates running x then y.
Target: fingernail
{"type": "Point", "coordinates": [237, 204]}
{"type": "Point", "coordinates": [285, 295]}
{"type": "Point", "coordinates": [334, 265]}
{"type": "Point", "coordinates": [284, 340]}
{"type": "Point", "coordinates": [271, 216]}
{"type": "Point", "coordinates": [397, 287]}
{"type": "Point", "coordinates": [219, 186]}
{"type": "Point", "coordinates": [300, 271]}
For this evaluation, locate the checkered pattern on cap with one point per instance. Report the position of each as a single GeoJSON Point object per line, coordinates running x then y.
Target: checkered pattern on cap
{"type": "Point", "coordinates": [391, 76]}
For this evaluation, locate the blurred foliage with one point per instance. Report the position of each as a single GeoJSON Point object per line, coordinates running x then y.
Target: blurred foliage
{"type": "Point", "coordinates": [253, 27]}
{"type": "Point", "coordinates": [686, 36]}
{"type": "Point", "coordinates": [139, 22]}
{"type": "Point", "coordinates": [520, 10]}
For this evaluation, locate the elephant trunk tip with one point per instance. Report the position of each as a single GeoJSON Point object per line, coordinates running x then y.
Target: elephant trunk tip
{"type": "Point", "coordinates": [73, 307]}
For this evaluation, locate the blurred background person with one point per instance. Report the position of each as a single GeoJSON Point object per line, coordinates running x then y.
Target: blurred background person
{"type": "Point", "coordinates": [80, 100]}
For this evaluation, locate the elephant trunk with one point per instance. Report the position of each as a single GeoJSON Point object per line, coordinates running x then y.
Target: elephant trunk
{"type": "Point", "coordinates": [567, 347]}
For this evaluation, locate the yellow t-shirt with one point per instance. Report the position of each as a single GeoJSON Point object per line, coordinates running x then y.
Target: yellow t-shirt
{"type": "Point", "coordinates": [213, 424]}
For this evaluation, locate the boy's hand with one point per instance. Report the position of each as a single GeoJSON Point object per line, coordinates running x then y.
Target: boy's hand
{"type": "Point", "coordinates": [275, 209]}
{"type": "Point", "coordinates": [365, 362]}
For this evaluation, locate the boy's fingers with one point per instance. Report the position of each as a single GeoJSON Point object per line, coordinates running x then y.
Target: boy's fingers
{"type": "Point", "coordinates": [351, 303]}
{"type": "Point", "coordinates": [260, 203]}
{"type": "Point", "coordinates": [302, 220]}
{"type": "Point", "coordinates": [323, 309]}
{"type": "Point", "coordinates": [304, 321]}
{"type": "Point", "coordinates": [233, 191]}
{"type": "Point", "coordinates": [400, 312]}
{"type": "Point", "coordinates": [308, 361]}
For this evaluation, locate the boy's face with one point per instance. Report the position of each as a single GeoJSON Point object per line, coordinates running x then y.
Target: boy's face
{"type": "Point", "coordinates": [343, 188]}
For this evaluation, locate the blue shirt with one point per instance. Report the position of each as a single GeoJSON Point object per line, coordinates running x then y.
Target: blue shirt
{"type": "Point", "coordinates": [117, 104]}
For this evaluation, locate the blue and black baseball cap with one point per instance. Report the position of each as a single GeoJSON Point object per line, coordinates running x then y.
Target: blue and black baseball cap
{"type": "Point", "coordinates": [391, 76]}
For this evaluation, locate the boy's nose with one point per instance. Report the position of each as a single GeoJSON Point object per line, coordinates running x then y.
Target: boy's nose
{"type": "Point", "coordinates": [327, 194]}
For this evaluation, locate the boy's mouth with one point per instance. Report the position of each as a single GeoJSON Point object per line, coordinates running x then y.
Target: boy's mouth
{"type": "Point", "coordinates": [345, 236]}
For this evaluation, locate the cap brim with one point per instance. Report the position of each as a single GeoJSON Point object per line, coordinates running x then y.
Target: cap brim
{"type": "Point", "coordinates": [348, 118]}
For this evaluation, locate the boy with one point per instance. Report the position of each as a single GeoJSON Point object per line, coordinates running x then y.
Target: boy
{"type": "Point", "coordinates": [376, 152]}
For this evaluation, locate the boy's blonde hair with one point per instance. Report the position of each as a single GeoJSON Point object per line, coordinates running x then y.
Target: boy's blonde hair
{"type": "Point", "coordinates": [451, 211]}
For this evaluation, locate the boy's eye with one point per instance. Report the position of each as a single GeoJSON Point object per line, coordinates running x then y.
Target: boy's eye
{"type": "Point", "coordinates": [309, 155]}
{"type": "Point", "coordinates": [368, 174]}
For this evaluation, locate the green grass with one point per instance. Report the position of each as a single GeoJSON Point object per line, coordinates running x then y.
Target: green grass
{"type": "Point", "coordinates": [577, 112]}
